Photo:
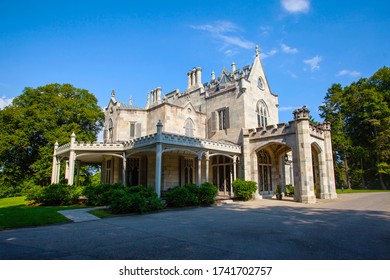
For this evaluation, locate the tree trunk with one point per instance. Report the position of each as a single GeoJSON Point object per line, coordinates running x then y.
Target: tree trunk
{"type": "Point", "coordinates": [363, 180]}
{"type": "Point", "coordinates": [348, 181]}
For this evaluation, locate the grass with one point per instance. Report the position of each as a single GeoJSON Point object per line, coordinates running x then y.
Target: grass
{"type": "Point", "coordinates": [339, 191]}
{"type": "Point", "coordinates": [100, 213]}
{"type": "Point", "coordinates": [15, 212]}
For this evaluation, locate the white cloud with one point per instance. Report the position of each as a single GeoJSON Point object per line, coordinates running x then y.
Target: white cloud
{"type": "Point", "coordinates": [349, 73]}
{"type": "Point", "coordinates": [314, 62]}
{"type": "Point", "coordinates": [5, 101]}
{"type": "Point", "coordinates": [296, 6]}
{"type": "Point", "coordinates": [226, 32]}
{"type": "Point", "coordinates": [272, 52]}
{"type": "Point", "coordinates": [288, 49]}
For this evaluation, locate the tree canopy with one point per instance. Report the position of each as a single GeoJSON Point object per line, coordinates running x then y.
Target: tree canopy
{"type": "Point", "coordinates": [360, 118]}
{"type": "Point", "coordinates": [35, 121]}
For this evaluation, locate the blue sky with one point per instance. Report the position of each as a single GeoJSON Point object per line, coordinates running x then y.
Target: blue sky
{"type": "Point", "coordinates": [136, 46]}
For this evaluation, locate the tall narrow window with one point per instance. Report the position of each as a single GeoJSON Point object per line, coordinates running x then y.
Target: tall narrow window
{"type": "Point", "coordinates": [132, 130]}
{"type": "Point", "coordinates": [189, 127]}
{"type": "Point", "coordinates": [265, 171]}
{"type": "Point", "coordinates": [110, 129]}
{"type": "Point", "coordinates": [262, 114]}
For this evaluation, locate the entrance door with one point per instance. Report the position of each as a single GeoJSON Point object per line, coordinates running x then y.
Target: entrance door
{"type": "Point", "coordinates": [222, 173]}
{"type": "Point", "coordinates": [265, 172]}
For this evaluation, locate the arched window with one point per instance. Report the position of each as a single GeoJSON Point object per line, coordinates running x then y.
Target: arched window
{"type": "Point", "coordinates": [110, 129]}
{"type": "Point", "coordinates": [189, 127]}
{"type": "Point", "coordinates": [262, 114]}
{"type": "Point", "coordinates": [265, 169]}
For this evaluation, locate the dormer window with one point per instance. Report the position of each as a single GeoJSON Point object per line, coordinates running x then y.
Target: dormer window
{"type": "Point", "coordinates": [260, 83]}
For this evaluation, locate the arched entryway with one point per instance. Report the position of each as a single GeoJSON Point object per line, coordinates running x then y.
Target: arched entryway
{"type": "Point", "coordinates": [315, 154]}
{"type": "Point", "coordinates": [274, 168]}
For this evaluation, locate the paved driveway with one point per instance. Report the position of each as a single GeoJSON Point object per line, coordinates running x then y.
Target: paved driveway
{"type": "Point", "coordinates": [352, 227]}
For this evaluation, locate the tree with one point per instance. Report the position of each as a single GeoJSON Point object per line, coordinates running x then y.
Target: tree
{"type": "Point", "coordinates": [35, 121]}
{"type": "Point", "coordinates": [360, 117]}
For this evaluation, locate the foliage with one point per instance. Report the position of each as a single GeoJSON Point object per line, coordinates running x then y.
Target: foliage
{"type": "Point", "coordinates": [136, 199]}
{"type": "Point", "coordinates": [181, 196]}
{"type": "Point", "coordinates": [55, 195]}
{"type": "Point", "coordinates": [244, 190]}
{"type": "Point", "coordinates": [278, 190]}
{"type": "Point", "coordinates": [100, 194]}
{"type": "Point", "coordinates": [360, 118]}
{"type": "Point", "coordinates": [207, 193]}
{"type": "Point", "coordinates": [34, 122]}
{"type": "Point", "coordinates": [192, 195]}
{"type": "Point", "coordinates": [289, 190]}
{"type": "Point", "coordinates": [15, 212]}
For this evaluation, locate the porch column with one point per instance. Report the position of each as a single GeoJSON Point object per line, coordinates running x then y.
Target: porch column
{"type": "Point", "coordinates": [55, 165]}
{"type": "Point", "coordinates": [234, 174]}
{"type": "Point", "coordinates": [124, 169]}
{"type": "Point", "coordinates": [207, 154]}
{"type": "Point", "coordinates": [72, 158]}
{"type": "Point", "coordinates": [57, 178]}
{"type": "Point", "coordinates": [158, 158]}
{"type": "Point", "coordinates": [200, 168]}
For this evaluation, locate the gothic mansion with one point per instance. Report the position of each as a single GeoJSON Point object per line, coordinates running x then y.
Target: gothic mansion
{"type": "Point", "coordinates": [213, 132]}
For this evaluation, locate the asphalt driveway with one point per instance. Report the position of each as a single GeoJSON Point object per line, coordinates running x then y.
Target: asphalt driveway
{"type": "Point", "coordinates": [355, 226]}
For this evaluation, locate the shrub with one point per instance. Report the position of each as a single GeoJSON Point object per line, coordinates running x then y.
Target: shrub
{"type": "Point", "coordinates": [54, 194]}
{"type": "Point", "coordinates": [182, 196]}
{"type": "Point", "coordinates": [244, 190]}
{"type": "Point", "coordinates": [289, 190]}
{"type": "Point", "coordinates": [100, 194]}
{"type": "Point", "coordinates": [207, 193]}
{"type": "Point", "coordinates": [136, 199]}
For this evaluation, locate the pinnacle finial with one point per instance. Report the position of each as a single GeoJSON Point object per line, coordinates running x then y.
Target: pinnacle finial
{"type": "Point", "coordinates": [131, 100]}
{"type": "Point", "coordinates": [113, 93]}
{"type": "Point", "coordinates": [257, 50]}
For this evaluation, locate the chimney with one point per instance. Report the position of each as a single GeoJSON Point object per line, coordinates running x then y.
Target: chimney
{"type": "Point", "coordinates": [198, 72]}
{"type": "Point", "coordinates": [233, 68]}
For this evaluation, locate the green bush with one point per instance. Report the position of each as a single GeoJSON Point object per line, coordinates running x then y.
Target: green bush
{"type": "Point", "coordinates": [182, 196]}
{"type": "Point", "coordinates": [136, 199]}
{"type": "Point", "coordinates": [191, 195]}
{"type": "Point", "coordinates": [244, 190]}
{"type": "Point", "coordinates": [289, 190]}
{"type": "Point", "coordinates": [54, 194]}
{"type": "Point", "coordinates": [100, 194]}
{"type": "Point", "coordinates": [207, 193]}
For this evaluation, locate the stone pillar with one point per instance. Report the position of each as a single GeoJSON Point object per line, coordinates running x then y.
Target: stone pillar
{"type": "Point", "coordinates": [158, 158]}
{"type": "Point", "coordinates": [207, 154]}
{"type": "Point", "coordinates": [72, 159]}
{"type": "Point", "coordinates": [124, 169]}
{"type": "Point", "coordinates": [329, 160]}
{"type": "Point", "coordinates": [54, 171]}
{"type": "Point", "coordinates": [200, 154]}
{"type": "Point", "coordinates": [303, 158]}
{"type": "Point", "coordinates": [246, 166]}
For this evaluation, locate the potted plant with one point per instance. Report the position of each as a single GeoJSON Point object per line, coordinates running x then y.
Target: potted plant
{"type": "Point", "coordinates": [278, 193]}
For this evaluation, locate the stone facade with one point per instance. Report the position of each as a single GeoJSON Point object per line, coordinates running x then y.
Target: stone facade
{"type": "Point", "coordinates": [214, 132]}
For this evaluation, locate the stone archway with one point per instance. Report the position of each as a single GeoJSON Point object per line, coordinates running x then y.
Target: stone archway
{"type": "Point", "coordinates": [316, 170]}
{"type": "Point", "coordinates": [274, 168]}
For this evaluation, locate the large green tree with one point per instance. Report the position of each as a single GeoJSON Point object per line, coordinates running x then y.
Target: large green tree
{"type": "Point", "coordinates": [360, 117]}
{"type": "Point", "coordinates": [35, 121]}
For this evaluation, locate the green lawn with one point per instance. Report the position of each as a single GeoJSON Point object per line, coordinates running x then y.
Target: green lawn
{"type": "Point", "coordinates": [358, 191]}
{"type": "Point", "coordinates": [15, 212]}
